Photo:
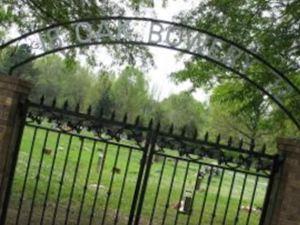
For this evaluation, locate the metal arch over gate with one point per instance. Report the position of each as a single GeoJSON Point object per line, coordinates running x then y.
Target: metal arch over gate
{"type": "Point", "coordinates": [158, 33]}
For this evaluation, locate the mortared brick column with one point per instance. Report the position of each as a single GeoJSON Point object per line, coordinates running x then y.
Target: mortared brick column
{"type": "Point", "coordinates": [285, 200]}
{"type": "Point", "coordinates": [13, 95]}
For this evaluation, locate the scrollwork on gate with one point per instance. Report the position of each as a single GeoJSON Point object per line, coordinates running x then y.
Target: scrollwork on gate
{"type": "Point", "coordinates": [199, 151]}
{"type": "Point", "coordinates": [193, 149]}
{"type": "Point", "coordinates": [68, 121]}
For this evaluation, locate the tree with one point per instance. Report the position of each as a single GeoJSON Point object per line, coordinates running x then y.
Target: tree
{"type": "Point", "coordinates": [271, 28]}
{"type": "Point", "coordinates": [244, 104]}
{"type": "Point", "coordinates": [11, 56]}
{"type": "Point", "coordinates": [28, 15]}
{"type": "Point", "coordinates": [184, 111]}
{"type": "Point", "coordinates": [103, 91]}
{"type": "Point", "coordinates": [130, 93]}
{"type": "Point", "coordinates": [5, 19]}
{"type": "Point", "coordinates": [57, 80]}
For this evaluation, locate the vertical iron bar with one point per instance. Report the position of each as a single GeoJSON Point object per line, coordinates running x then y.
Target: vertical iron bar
{"type": "Point", "coordinates": [217, 198]}
{"type": "Point", "coordinates": [252, 200]}
{"type": "Point", "coordinates": [205, 196]}
{"type": "Point", "coordinates": [229, 197]}
{"type": "Point", "coordinates": [98, 184]}
{"type": "Point", "coordinates": [269, 189]}
{"type": "Point", "coordinates": [86, 183]}
{"type": "Point", "coordinates": [149, 159]}
{"type": "Point", "coordinates": [182, 190]}
{"type": "Point", "coordinates": [74, 181]}
{"type": "Point", "coordinates": [193, 197]}
{"type": "Point", "coordinates": [62, 179]}
{"type": "Point", "coordinates": [241, 199]}
{"type": "Point", "coordinates": [169, 194]}
{"type": "Point", "coordinates": [110, 185]}
{"type": "Point", "coordinates": [23, 111]}
{"type": "Point", "coordinates": [140, 175]}
{"type": "Point", "coordinates": [50, 179]}
{"type": "Point", "coordinates": [123, 186]}
{"type": "Point", "coordinates": [26, 176]}
{"type": "Point", "coordinates": [38, 177]}
{"type": "Point", "coordinates": [157, 191]}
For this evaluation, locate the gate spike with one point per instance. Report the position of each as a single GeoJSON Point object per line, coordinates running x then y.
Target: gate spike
{"type": "Point", "coordinates": [183, 131]}
{"type": "Point", "coordinates": [230, 141]}
{"type": "Point", "coordinates": [206, 137]}
{"type": "Point", "coordinates": [54, 103]}
{"type": "Point", "coordinates": [252, 145]}
{"type": "Point", "coordinates": [125, 118]}
{"type": "Point", "coordinates": [89, 110]}
{"type": "Point", "coordinates": [42, 100]}
{"type": "Point", "coordinates": [158, 126]}
{"type": "Point", "coordinates": [150, 123]}
{"type": "Point", "coordinates": [263, 150]}
{"type": "Point", "coordinates": [66, 105]}
{"type": "Point", "coordinates": [101, 113]}
{"type": "Point", "coordinates": [171, 129]}
{"type": "Point", "coordinates": [113, 115]}
{"type": "Point", "coordinates": [137, 121]}
{"type": "Point", "coordinates": [241, 143]}
{"type": "Point", "coordinates": [218, 139]}
{"type": "Point", "coordinates": [77, 108]}
{"type": "Point", "coordinates": [195, 134]}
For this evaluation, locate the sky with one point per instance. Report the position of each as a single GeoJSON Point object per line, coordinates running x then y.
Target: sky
{"type": "Point", "coordinates": [165, 60]}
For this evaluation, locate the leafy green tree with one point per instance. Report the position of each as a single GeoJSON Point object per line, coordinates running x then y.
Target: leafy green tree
{"type": "Point", "coordinates": [231, 116]}
{"type": "Point", "coordinates": [103, 92]}
{"type": "Point", "coordinates": [270, 28]}
{"type": "Point", "coordinates": [242, 103]}
{"type": "Point", "coordinates": [184, 111]}
{"type": "Point", "coordinates": [29, 15]}
{"type": "Point", "coordinates": [57, 80]}
{"type": "Point", "coordinates": [7, 17]}
{"type": "Point", "coordinates": [13, 55]}
{"type": "Point", "coordinates": [130, 93]}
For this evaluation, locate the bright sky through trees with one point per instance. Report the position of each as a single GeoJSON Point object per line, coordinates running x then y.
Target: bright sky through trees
{"type": "Point", "coordinates": [165, 60]}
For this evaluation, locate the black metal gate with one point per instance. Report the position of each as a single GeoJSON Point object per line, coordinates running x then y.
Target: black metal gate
{"type": "Point", "coordinates": [74, 168]}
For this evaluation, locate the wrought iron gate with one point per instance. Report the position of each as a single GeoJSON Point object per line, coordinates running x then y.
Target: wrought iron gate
{"type": "Point", "coordinates": [75, 168]}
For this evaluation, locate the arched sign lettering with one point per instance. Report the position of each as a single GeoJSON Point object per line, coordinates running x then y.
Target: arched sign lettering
{"type": "Point", "coordinates": [158, 33]}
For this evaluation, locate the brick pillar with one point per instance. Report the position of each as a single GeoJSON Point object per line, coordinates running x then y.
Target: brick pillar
{"type": "Point", "coordinates": [286, 196]}
{"type": "Point", "coordinates": [13, 94]}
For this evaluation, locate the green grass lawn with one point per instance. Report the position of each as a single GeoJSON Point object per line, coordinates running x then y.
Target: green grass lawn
{"type": "Point", "coordinates": [121, 158]}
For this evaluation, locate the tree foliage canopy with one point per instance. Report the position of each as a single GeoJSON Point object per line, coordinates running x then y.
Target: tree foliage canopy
{"type": "Point", "coordinates": [269, 28]}
{"type": "Point", "coordinates": [29, 15]}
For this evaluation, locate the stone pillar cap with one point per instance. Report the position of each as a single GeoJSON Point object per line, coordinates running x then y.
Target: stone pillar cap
{"type": "Point", "coordinates": [289, 145]}
{"type": "Point", "coordinates": [15, 84]}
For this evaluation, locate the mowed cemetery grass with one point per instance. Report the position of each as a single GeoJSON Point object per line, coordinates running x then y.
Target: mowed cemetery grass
{"type": "Point", "coordinates": [114, 168]}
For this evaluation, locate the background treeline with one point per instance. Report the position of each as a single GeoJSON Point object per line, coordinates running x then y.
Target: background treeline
{"type": "Point", "coordinates": [234, 109]}
{"type": "Point", "coordinates": [127, 92]}
{"type": "Point", "coordinates": [269, 28]}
